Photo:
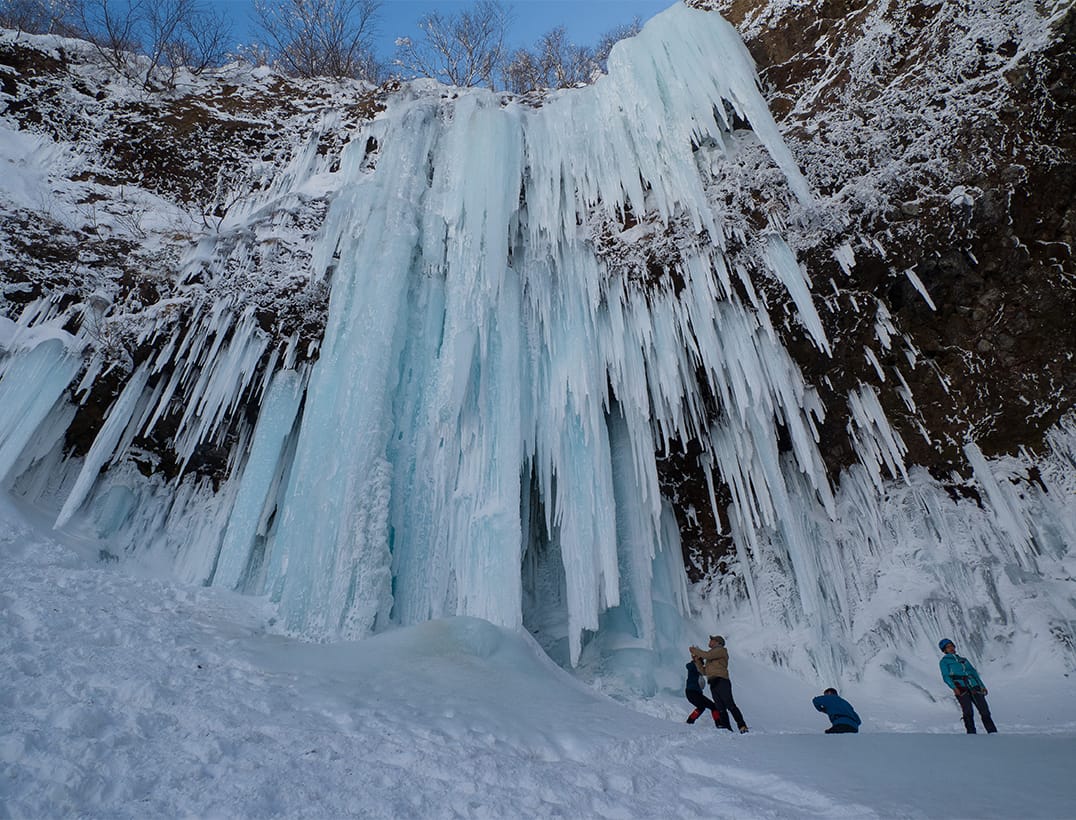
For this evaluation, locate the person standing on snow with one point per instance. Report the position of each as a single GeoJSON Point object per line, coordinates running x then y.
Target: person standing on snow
{"type": "Point", "coordinates": [716, 669]}
{"type": "Point", "coordinates": [840, 712]}
{"type": "Point", "coordinates": [960, 676]}
{"type": "Point", "coordinates": [693, 692]}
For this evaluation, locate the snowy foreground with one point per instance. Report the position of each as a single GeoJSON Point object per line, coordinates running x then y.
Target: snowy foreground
{"type": "Point", "coordinates": [130, 696]}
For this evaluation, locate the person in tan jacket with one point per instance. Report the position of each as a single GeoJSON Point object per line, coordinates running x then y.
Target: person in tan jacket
{"type": "Point", "coordinates": [715, 662]}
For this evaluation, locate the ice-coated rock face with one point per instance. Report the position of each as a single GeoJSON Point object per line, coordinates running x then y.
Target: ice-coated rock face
{"type": "Point", "coordinates": [480, 432]}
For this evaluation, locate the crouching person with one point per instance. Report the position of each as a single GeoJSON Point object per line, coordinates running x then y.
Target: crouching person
{"type": "Point", "coordinates": [842, 716]}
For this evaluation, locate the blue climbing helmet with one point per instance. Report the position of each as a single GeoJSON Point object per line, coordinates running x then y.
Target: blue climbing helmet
{"type": "Point", "coordinates": [944, 642]}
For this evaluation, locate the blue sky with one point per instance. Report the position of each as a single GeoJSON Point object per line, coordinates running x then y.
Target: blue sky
{"type": "Point", "coordinates": [585, 20]}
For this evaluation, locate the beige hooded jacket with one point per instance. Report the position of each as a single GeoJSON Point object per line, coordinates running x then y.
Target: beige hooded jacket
{"type": "Point", "coordinates": [716, 662]}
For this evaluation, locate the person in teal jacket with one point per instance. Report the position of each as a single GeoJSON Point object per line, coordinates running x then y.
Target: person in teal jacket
{"type": "Point", "coordinates": [960, 676]}
{"type": "Point", "coordinates": [840, 712]}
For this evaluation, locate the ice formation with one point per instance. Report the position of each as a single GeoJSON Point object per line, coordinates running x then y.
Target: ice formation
{"type": "Point", "coordinates": [480, 433]}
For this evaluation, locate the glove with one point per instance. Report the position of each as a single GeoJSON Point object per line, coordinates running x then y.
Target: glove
{"type": "Point", "coordinates": [981, 691]}
{"type": "Point", "coordinates": [958, 691]}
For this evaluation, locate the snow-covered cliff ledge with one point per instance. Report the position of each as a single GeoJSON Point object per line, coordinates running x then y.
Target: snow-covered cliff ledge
{"type": "Point", "coordinates": [500, 373]}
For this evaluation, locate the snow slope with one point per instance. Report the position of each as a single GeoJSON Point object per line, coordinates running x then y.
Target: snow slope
{"type": "Point", "coordinates": [129, 696]}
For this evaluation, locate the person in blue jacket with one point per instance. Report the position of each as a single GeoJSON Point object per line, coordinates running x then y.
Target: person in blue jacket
{"type": "Point", "coordinates": [960, 676]}
{"type": "Point", "coordinates": [693, 692]}
{"type": "Point", "coordinates": [840, 712]}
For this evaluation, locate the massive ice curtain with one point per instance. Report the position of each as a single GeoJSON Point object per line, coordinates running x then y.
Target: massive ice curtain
{"type": "Point", "coordinates": [480, 432]}
{"type": "Point", "coordinates": [486, 375]}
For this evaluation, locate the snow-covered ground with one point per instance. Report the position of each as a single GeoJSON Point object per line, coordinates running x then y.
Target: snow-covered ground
{"type": "Point", "coordinates": [133, 696]}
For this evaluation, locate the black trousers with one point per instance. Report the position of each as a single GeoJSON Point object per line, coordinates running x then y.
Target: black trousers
{"type": "Point", "coordinates": [721, 692]}
{"type": "Point", "coordinates": [841, 729]}
{"type": "Point", "coordinates": [699, 700]}
{"type": "Point", "coordinates": [966, 700]}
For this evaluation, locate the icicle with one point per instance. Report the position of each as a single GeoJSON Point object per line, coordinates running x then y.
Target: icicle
{"type": "Point", "coordinates": [49, 367]}
{"type": "Point", "coordinates": [871, 357]}
{"type": "Point", "coordinates": [845, 257]}
{"type": "Point", "coordinates": [917, 283]}
{"type": "Point", "coordinates": [104, 446]}
{"type": "Point", "coordinates": [330, 563]}
{"type": "Point", "coordinates": [791, 274]}
{"type": "Point", "coordinates": [875, 442]}
{"type": "Point", "coordinates": [884, 329]}
{"type": "Point", "coordinates": [221, 383]}
{"type": "Point", "coordinates": [258, 474]}
{"type": "Point", "coordinates": [1005, 508]}
{"type": "Point", "coordinates": [745, 563]}
{"type": "Point", "coordinates": [468, 394]}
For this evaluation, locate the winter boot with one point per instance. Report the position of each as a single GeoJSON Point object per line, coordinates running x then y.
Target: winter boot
{"type": "Point", "coordinates": [694, 716]}
{"type": "Point", "coordinates": [743, 730]}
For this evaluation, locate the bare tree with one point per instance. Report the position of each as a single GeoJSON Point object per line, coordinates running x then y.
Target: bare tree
{"type": "Point", "coordinates": [204, 41]}
{"type": "Point", "coordinates": [256, 54]}
{"type": "Point", "coordinates": [163, 25]}
{"type": "Point", "coordinates": [523, 72]}
{"type": "Point", "coordinates": [563, 63]}
{"type": "Point", "coordinates": [23, 15]}
{"type": "Point", "coordinates": [167, 33]}
{"type": "Point", "coordinates": [556, 62]}
{"type": "Point", "coordinates": [611, 38]}
{"type": "Point", "coordinates": [465, 49]}
{"type": "Point", "coordinates": [112, 26]}
{"type": "Point", "coordinates": [36, 16]}
{"type": "Point", "coordinates": [316, 38]}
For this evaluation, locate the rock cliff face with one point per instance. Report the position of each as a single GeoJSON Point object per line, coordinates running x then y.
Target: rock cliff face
{"type": "Point", "coordinates": [979, 124]}
{"type": "Point", "coordinates": [940, 139]}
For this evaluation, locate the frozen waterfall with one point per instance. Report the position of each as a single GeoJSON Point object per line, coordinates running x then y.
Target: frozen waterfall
{"type": "Point", "coordinates": [480, 434]}
{"type": "Point", "coordinates": [477, 347]}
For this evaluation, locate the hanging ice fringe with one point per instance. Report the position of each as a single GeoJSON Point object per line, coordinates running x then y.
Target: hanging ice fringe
{"type": "Point", "coordinates": [479, 435]}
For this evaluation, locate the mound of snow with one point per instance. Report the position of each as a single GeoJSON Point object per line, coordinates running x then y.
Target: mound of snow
{"type": "Point", "coordinates": [130, 696]}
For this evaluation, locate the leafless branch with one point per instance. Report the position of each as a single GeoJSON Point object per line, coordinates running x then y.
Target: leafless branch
{"type": "Point", "coordinates": [556, 62]}
{"type": "Point", "coordinates": [321, 38]}
{"type": "Point", "coordinates": [464, 49]}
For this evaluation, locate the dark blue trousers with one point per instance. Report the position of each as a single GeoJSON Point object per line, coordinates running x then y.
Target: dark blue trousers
{"type": "Point", "coordinates": [701, 704]}
{"type": "Point", "coordinates": [841, 729]}
{"type": "Point", "coordinates": [966, 700]}
{"type": "Point", "coordinates": [699, 700]}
